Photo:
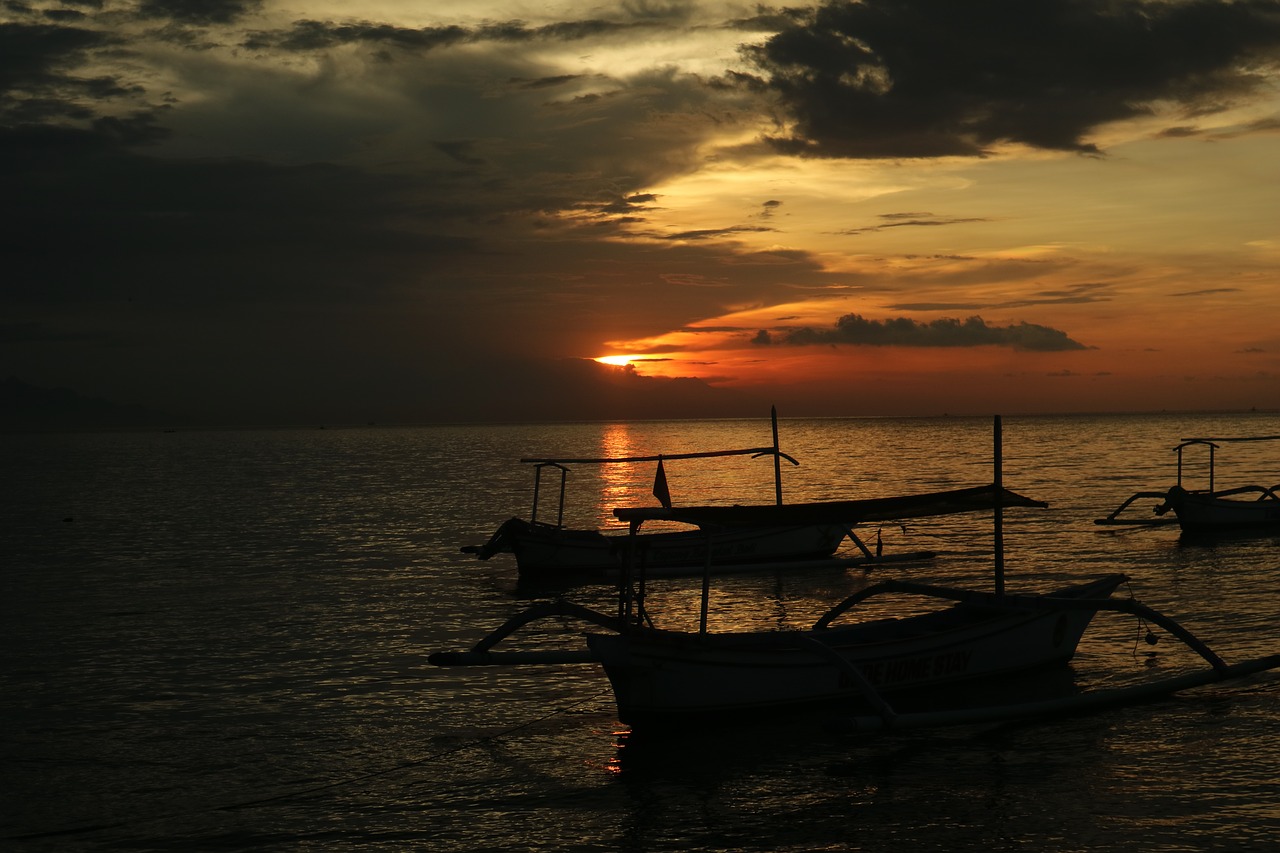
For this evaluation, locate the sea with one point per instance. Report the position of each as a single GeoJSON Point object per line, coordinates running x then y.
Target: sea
{"type": "Point", "coordinates": [218, 640]}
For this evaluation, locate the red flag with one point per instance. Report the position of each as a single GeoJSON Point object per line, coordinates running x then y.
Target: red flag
{"type": "Point", "coordinates": [660, 490]}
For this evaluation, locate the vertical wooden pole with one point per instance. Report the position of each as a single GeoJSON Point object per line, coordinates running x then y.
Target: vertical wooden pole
{"type": "Point", "coordinates": [537, 487]}
{"type": "Point", "coordinates": [626, 593]}
{"type": "Point", "coordinates": [1212, 448]}
{"type": "Point", "coordinates": [999, 506]}
{"type": "Point", "coordinates": [777, 456]}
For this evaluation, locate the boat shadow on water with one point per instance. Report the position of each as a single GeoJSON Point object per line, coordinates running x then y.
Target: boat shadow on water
{"type": "Point", "coordinates": [819, 743]}
{"type": "Point", "coordinates": [1209, 539]}
{"type": "Point", "coordinates": [733, 742]}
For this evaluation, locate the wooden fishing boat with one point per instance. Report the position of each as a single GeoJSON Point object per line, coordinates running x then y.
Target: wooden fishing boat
{"type": "Point", "coordinates": [663, 678]}
{"type": "Point", "coordinates": [882, 673]}
{"type": "Point", "coordinates": [551, 551]}
{"type": "Point", "coordinates": [1210, 510]}
{"type": "Point", "coordinates": [1231, 510]}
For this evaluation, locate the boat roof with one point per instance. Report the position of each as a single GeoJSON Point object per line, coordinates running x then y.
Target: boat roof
{"type": "Point", "coordinates": [972, 499]}
{"type": "Point", "coordinates": [667, 457]}
{"type": "Point", "coordinates": [1211, 440]}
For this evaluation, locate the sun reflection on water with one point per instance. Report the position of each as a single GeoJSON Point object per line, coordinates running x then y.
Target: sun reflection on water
{"type": "Point", "coordinates": [617, 481]}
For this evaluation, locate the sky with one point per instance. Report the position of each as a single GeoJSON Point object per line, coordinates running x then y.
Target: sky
{"type": "Point", "coordinates": [251, 211]}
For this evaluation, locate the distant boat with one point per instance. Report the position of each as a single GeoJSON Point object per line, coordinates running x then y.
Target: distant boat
{"type": "Point", "coordinates": [1210, 510]}
{"type": "Point", "coordinates": [1227, 510]}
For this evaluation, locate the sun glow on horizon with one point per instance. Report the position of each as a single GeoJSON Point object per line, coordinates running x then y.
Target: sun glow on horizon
{"type": "Point", "coordinates": [615, 360]}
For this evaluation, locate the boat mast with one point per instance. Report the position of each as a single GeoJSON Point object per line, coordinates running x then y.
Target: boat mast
{"type": "Point", "coordinates": [999, 506]}
{"type": "Point", "coordinates": [777, 456]}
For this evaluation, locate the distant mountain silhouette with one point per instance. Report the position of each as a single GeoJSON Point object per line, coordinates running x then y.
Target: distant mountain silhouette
{"type": "Point", "coordinates": [30, 408]}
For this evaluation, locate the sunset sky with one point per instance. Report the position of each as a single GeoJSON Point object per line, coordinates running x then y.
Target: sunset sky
{"type": "Point", "coordinates": [251, 211]}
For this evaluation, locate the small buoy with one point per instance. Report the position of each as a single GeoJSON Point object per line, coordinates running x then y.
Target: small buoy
{"type": "Point", "coordinates": [1152, 639]}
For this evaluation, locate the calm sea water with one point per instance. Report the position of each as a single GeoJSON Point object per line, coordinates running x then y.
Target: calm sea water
{"type": "Point", "coordinates": [218, 640]}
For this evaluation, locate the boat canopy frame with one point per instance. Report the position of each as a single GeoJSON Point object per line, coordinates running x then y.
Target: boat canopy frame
{"type": "Point", "coordinates": [561, 465]}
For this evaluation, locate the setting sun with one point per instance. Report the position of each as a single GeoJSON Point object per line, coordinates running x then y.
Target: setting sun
{"type": "Point", "coordinates": [615, 360]}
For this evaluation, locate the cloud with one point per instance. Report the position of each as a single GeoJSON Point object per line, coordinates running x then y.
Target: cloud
{"type": "Point", "coordinates": [911, 220]}
{"type": "Point", "coordinates": [1209, 291]}
{"type": "Point", "coordinates": [199, 11]}
{"type": "Point", "coordinates": [716, 233]}
{"type": "Point", "coordinates": [935, 78]}
{"type": "Point", "coordinates": [1079, 294]}
{"type": "Point", "coordinates": [903, 331]}
{"type": "Point", "coordinates": [311, 35]}
{"type": "Point", "coordinates": [233, 203]}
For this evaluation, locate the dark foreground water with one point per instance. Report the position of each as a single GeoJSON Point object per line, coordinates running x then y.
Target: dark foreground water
{"type": "Point", "coordinates": [218, 640]}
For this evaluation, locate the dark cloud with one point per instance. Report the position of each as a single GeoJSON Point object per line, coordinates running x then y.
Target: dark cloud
{"type": "Point", "coordinates": [932, 78]}
{"type": "Point", "coordinates": [715, 233]}
{"type": "Point", "coordinates": [946, 332]}
{"type": "Point", "coordinates": [199, 12]}
{"type": "Point", "coordinates": [911, 220]}
{"type": "Point", "coordinates": [39, 56]}
{"type": "Point", "coordinates": [460, 150]}
{"type": "Point", "coordinates": [635, 203]}
{"type": "Point", "coordinates": [1080, 294]}
{"type": "Point", "coordinates": [194, 232]}
{"type": "Point", "coordinates": [547, 82]}
{"type": "Point", "coordinates": [1208, 292]}
{"type": "Point", "coordinates": [49, 105]}
{"type": "Point", "coordinates": [319, 35]}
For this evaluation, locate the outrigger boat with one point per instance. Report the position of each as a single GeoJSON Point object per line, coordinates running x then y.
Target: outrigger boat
{"type": "Point", "coordinates": [550, 551]}
{"type": "Point", "coordinates": [875, 671]}
{"type": "Point", "coordinates": [1212, 510]}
